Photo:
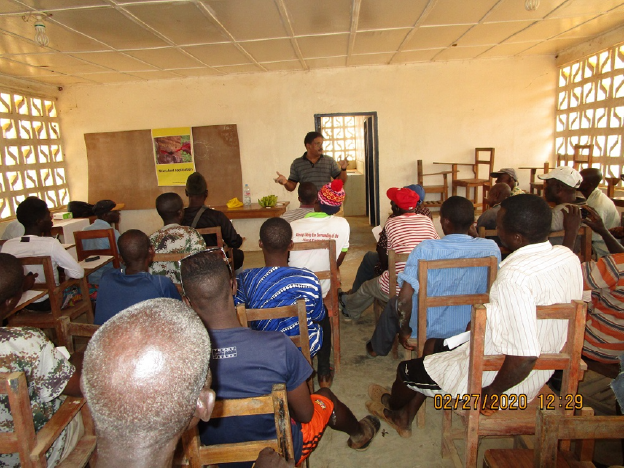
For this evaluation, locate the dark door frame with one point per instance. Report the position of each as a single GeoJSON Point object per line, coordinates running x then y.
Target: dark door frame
{"type": "Point", "coordinates": [372, 160]}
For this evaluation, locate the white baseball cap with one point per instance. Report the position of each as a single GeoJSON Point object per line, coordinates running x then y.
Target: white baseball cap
{"type": "Point", "coordinates": [566, 174]}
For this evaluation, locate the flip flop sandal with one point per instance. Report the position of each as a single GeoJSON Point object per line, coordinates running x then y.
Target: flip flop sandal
{"type": "Point", "coordinates": [374, 424]}
{"type": "Point", "coordinates": [375, 392]}
{"type": "Point", "coordinates": [377, 409]}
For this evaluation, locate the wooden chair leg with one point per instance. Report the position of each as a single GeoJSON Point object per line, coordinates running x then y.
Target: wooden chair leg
{"type": "Point", "coordinates": [420, 416]}
{"type": "Point", "coordinates": [336, 341]}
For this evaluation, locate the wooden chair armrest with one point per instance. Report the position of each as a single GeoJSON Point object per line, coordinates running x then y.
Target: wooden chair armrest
{"type": "Point", "coordinates": [583, 366]}
{"type": "Point", "coordinates": [53, 428]}
{"type": "Point", "coordinates": [438, 173]}
{"type": "Point", "coordinates": [67, 283]}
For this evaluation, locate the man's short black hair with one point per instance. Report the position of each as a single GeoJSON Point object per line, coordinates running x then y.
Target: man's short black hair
{"type": "Point", "coordinates": [276, 235]}
{"type": "Point", "coordinates": [307, 193]}
{"type": "Point", "coordinates": [205, 275]}
{"type": "Point", "coordinates": [133, 246]}
{"type": "Point", "coordinates": [310, 137]}
{"type": "Point", "coordinates": [11, 277]}
{"type": "Point", "coordinates": [169, 204]}
{"type": "Point", "coordinates": [459, 211]}
{"type": "Point", "coordinates": [528, 215]}
{"type": "Point", "coordinates": [30, 211]}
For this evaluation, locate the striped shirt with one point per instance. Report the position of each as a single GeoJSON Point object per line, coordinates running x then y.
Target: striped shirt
{"type": "Point", "coordinates": [443, 322]}
{"type": "Point", "coordinates": [297, 213]}
{"type": "Point", "coordinates": [268, 287]}
{"type": "Point", "coordinates": [604, 330]}
{"type": "Point", "coordinates": [537, 274]}
{"type": "Point", "coordinates": [319, 173]}
{"type": "Point", "coordinates": [404, 233]}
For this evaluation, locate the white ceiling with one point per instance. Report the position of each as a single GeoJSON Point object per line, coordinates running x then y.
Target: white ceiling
{"type": "Point", "coordinates": [106, 41]}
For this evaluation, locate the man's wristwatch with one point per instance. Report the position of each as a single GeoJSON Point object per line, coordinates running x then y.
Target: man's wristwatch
{"type": "Point", "coordinates": [343, 169]}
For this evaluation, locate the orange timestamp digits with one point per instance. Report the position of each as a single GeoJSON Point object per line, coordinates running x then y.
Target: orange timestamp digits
{"type": "Point", "coordinates": [471, 401]}
{"type": "Point", "coordinates": [566, 402]}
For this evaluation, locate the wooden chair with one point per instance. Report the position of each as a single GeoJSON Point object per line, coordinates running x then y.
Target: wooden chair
{"type": "Point", "coordinates": [32, 446]}
{"type": "Point", "coordinates": [302, 340]}
{"type": "Point", "coordinates": [550, 428]}
{"type": "Point", "coordinates": [171, 257]}
{"type": "Point", "coordinates": [80, 236]}
{"type": "Point", "coordinates": [483, 156]}
{"type": "Point", "coordinates": [580, 159]}
{"type": "Point", "coordinates": [585, 235]}
{"type": "Point", "coordinates": [441, 189]}
{"type": "Point", "coordinates": [513, 422]}
{"type": "Point", "coordinates": [331, 300]}
{"type": "Point", "coordinates": [536, 186]}
{"type": "Point", "coordinates": [26, 318]}
{"type": "Point", "coordinates": [214, 231]}
{"type": "Point", "coordinates": [71, 329]}
{"type": "Point", "coordinates": [274, 403]}
{"type": "Point", "coordinates": [488, 233]}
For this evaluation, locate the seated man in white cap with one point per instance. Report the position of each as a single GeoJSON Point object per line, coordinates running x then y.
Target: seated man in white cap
{"type": "Point", "coordinates": [560, 186]}
{"type": "Point", "coordinates": [508, 176]}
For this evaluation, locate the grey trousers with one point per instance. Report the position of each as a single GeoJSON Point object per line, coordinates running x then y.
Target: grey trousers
{"type": "Point", "coordinates": [360, 300]}
{"type": "Point", "coordinates": [386, 329]}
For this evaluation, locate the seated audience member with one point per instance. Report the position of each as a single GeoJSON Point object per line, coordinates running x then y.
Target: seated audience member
{"type": "Point", "coordinates": [34, 214]}
{"type": "Point", "coordinates": [602, 204]}
{"type": "Point", "coordinates": [560, 187]}
{"type": "Point", "coordinates": [278, 284]}
{"type": "Point", "coordinates": [199, 216]}
{"type": "Point", "coordinates": [322, 225]}
{"type": "Point", "coordinates": [496, 195]}
{"type": "Point", "coordinates": [535, 273]}
{"type": "Point", "coordinates": [107, 212]}
{"type": "Point", "coordinates": [307, 198]}
{"type": "Point", "coordinates": [456, 217]}
{"type": "Point", "coordinates": [371, 265]}
{"type": "Point", "coordinates": [146, 376]}
{"type": "Point", "coordinates": [173, 238]}
{"type": "Point", "coordinates": [604, 328]}
{"type": "Point", "coordinates": [405, 232]}
{"type": "Point", "coordinates": [119, 289]}
{"type": "Point", "coordinates": [14, 229]}
{"type": "Point", "coordinates": [247, 363]}
{"type": "Point", "coordinates": [48, 373]}
{"type": "Point", "coordinates": [508, 176]}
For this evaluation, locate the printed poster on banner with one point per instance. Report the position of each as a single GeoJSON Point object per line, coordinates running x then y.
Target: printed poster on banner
{"type": "Point", "coordinates": [173, 155]}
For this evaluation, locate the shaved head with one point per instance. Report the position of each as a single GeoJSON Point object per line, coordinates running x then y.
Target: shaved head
{"type": "Point", "coordinates": [134, 246]}
{"type": "Point", "coordinates": [169, 204]}
{"type": "Point", "coordinates": [143, 372]}
{"type": "Point", "coordinates": [11, 278]}
{"type": "Point", "coordinates": [205, 276]}
{"type": "Point", "coordinates": [498, 193]}
{"type": "Point", "coordinates": [591, 179]}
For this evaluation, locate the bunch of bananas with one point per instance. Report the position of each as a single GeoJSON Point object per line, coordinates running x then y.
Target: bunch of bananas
{"type": "Point", "coordinates": [268, 201]}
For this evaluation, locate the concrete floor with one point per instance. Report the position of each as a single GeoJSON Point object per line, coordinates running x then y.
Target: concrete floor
{"type": "Point", "coordinates": [358, 371]}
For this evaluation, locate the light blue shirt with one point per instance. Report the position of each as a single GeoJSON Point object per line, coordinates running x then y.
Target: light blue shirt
{"type": "Point", "coordinates": [446, 321]}
{"type": "Point", "coordinates": [99, 244]}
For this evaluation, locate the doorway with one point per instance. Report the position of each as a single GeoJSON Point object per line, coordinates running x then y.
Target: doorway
{"type": "Point", "coordinates": [353, 136]}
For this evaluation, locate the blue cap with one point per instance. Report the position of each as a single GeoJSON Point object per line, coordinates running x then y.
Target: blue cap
{"type": "Point", "coordinates": [419, 190]}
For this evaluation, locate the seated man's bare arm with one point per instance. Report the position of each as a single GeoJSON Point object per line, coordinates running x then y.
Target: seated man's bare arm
{"type": "Point", "coordinates": [513, 371]}
{"type": "Point", "coordinates": [404, 311]}
{"type": "Point", "coordinates": [73, 384]}
{"type": "Point", "coordinates": [300, 404]}
{"type": "Point", "coordinates": [341, 258]}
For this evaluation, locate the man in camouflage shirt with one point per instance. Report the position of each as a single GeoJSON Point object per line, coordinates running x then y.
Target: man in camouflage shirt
{"type": "Point", "coordinates": [47, 371]}
{"type": "Point", "coordinates": [172, 237]}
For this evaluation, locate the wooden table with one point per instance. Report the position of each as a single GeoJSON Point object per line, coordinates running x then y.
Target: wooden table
{"type": "Point", "coordinates": [90, 267]}
{"type": "Point", "coordinates": [253, 211]}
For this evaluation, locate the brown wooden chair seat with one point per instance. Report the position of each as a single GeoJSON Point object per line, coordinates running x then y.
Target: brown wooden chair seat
{"type": "Point", "coordinates": [216, 230]}
{"type": "Point", "coordinates": [483, 156]}
{"type": "Point", "coordinates": [442, 188]}
{"type": "Point", "coordinates": [74, 329]}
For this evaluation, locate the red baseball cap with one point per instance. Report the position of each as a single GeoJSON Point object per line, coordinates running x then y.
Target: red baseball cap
{"type": "Point", "coordinates": [404, 198]}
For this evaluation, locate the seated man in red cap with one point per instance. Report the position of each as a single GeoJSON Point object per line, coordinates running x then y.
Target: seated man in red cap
{"type": "Point", "coordinates": [404, 232]}
{"type": "Point", "coordinates": [321, 224]}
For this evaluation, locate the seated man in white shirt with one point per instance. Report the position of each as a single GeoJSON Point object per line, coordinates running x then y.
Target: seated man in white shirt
{"type": "Point", "coordinates": [535, 273]}
{"type": "Point", "coordinates": [34, 214]}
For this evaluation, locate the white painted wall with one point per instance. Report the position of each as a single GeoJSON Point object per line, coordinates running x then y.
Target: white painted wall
{"type": "Point", "coordinates": [433, 111]}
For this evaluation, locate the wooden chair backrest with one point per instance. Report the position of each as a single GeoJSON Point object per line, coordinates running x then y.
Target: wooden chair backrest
{"type": "Point", "coordinates": [169, 257]}
{"type": "Point", "coordinates": [551, 428]}
{"type": "Point", "coordinates": [486, 233]}
{"type": "Point", "coordinates": [109, 234]}
{"type": "Point", "coordinates": [32, 446]}
{"type": "Point", "coordinates": [585, 234]}
{"type": "Point", "coordinates": [425, 301]}
{"type": "Point", "coordinates": [212, 230]}
{"type": "Point", "coordinates": [484, 156]}
{"type": "Point", "coordinates": [274, 403]}
{"type": "Point", "coordinates": [578, 159]}
{"type": "Point", "coordinates": [71, 329]}
{"type": "Point", "coordinates": [393, 258]}
{"type": "Point", "coordinates": [46, 282]}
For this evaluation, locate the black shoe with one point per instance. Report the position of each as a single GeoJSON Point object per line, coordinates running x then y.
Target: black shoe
{"type": "Point", "coordinates": [343, 307]}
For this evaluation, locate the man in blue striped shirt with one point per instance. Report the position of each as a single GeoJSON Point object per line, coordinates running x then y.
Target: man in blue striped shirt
{"type": "Point", "coordinates": [456, 217]}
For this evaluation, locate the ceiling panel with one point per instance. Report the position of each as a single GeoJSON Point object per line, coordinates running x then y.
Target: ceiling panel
{"type": "Point", "coordinates": [277, 66]}
{"type": "Point", "coordinates": [111, 77]}
{"type": "Point", "coordinates": [586, 7]}
{"type": "Point", "coordinates": [183, 23]}
{"type": "Point", "coordinates": [323, 46]}
{"type": "Point", "coordinates": [109, 26]}
{"type": "Point", "coordinates": [60, 63]}
{"type": "Point", "coordinates": [370, 59]}
{"type": "Point", "coordinates": [491, 33]}
{"type": "Point", "coordinates": [64, 80]}
{"type": "Point", "coordinates": [20, 69]}
{"type": "Point", "coordinates": [596, 26]}
{"type": "Point", "coordinates": [435, 37]}
{"type": "Point", "coordinates": [546, 29]}
{"type": "Point", "coordinates": [506, 50]}
{"type": "Point", "coordinates": [319, 16]}
{"type": "Point", "coordinates": [197, 72]}
{"type": "Point", "coordinates": [165, 58]}
{"type": "Point", "coordinates": [552, 47]}
{"type": "Point", "coordinates": [461, 53]}
{"type": "Point", "coordinates": [239, 69]}
{"type": "Point", "coordinates": [510, 10]}
{"type": "Point", "coordinates": [458, 11]}
{"type": "Point", "coordinates": [370, 42]}
{"type": "Point", "coordinates": [415, 56]}
{"type": "Point", "coordinates": [57, 4]}
{"type": "Point", "coordinates": [218, 54]}
{"type": "Point", "coordinates": [154, 75]}
{"type": "Point", "coordinates": [390, 13]}
{"type": "Point", "coordinates": [8, 6]}
{"type": "Point", "coordinates": [115, 60]}
{"type": "Point", "coordinates": [248, 19]}
{"type": "Point", "coordinates": [274, 50]}
{"type": "Point", "coordinates": [14, 45]}
{"type": "Point", "coordinates": [330, 62]}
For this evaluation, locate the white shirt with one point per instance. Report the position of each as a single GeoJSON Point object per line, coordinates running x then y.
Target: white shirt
{"type": "Point", "coordinates": [605, 207]}
{"type": "Point", "coordinates": [14, 229]}
{"type": "Point", "coordinates": [44, 247]}
{"type": "Point", "coordinates": [318, 226]}
{"type": "Point", "coordinates": [537, 274]}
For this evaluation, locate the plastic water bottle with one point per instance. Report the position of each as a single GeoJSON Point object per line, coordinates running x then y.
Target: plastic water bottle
{"type": "Point", "coordinates": [247, 196]}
